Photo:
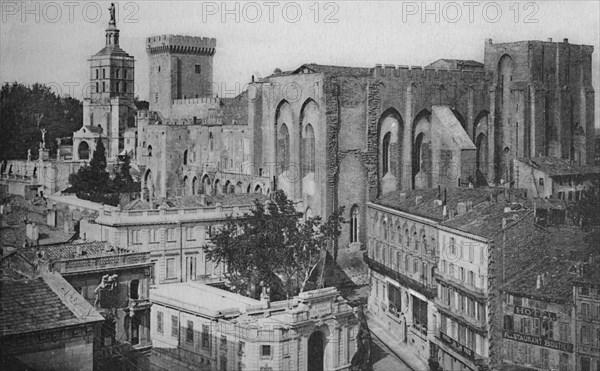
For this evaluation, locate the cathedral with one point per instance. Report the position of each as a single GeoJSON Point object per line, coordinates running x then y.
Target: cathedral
{"type": "Point", "coordinates": [332, 136]}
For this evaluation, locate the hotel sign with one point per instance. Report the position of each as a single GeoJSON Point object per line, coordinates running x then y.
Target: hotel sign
{"type": "Point", "coordinates": [536, 340]}
{"type": "Point", "coordinates": [532, 312]}
{"type": "Point", "coordinates": [457, 346]}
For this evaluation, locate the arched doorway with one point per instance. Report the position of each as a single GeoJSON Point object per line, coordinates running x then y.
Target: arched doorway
{"type": "Point", "coordinates": [84, 151]}
{"type": "Point", "coordinates": [316, 351]}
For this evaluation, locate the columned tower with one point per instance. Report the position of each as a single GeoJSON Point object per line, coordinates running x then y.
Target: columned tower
{"type": "Point", "coordinates": [109, 110]}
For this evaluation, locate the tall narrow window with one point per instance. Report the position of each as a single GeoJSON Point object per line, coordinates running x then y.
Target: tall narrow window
{"type": "Point", "coordinates": [133, 289]}
{"type": "Point", "coordinates": [283, 143]}
{"type": "Point", "coordinates": [210, 141]}
{"type": "Point", "coordinates": [189, 333]}
{"type": "Point", "coordinates": [97, 74]}
{"type": "Point", "coordinates": [309, 149]}
{"type": "Point", "coordinates": [354, 224]}
{"type": "Point", "coordinates": [174, 326]}
{"type": "Point", "coordinates": [185, 157]}
{"type": "Point", "coordinates": [159, 322]}
{"type": "Point", "coordinates": [104, 73]}
{"type": "Point", "coordinates": [385, 153]}
{"type": "Point", "coordinates": [103, 86]}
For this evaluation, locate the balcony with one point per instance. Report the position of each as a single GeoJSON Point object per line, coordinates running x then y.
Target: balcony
{"type": "Point", "coordinates": [99, 263]}
{"type": "Point", "coordinates": [169, 216]}
{"type": "Point", "coordinates": [428, 290]}
{"type": "Point", "coordinates": [458, 347]}
{"type": "Point", "coordinates": [479, 326]}
{"type": "Point", "coordinates": [463, 287]}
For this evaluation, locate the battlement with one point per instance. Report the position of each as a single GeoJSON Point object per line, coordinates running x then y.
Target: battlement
{"type": "Point", "coordinates": [428, 74]}
{"type": "Point", "coordinates": [193, 101]}
{"type": "Point", "coordinates": [587, 49]}
{"type": "Point", "coordinates": [179, 44]}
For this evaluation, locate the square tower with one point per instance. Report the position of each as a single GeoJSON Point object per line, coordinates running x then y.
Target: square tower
{"type": "Point", "coordinates": [544, 101]}
{"type": "Point", "coordinates": [181, 67]}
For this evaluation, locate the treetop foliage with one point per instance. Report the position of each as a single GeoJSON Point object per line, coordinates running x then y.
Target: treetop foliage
{"type": "Point", "coordinates": [22, 106]}
{"type": "Point", "coordinates": [273, 246]}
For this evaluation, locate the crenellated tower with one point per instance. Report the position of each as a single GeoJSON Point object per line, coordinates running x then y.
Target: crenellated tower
{"type": "Point", "coordinates": [181, 67]}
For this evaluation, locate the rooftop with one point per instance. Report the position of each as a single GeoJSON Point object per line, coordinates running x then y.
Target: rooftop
{"type": "Point", "coordinates": [456, 64]}
{"type": "Point", "coordinates": [428, 207]}
{"type": "Point", "coordinates": [13, 227]}
{"type": "Point", "coordinates": [200, 298]}
{"type": "Point", "coordinates": [555, 166]}
{"type": "Point", "coordinates": [24, 261]}
{"type": "Point", "coordinates": [238, 199]}
{"type": "Point", "coordinates": [554, 253]}
{"type": "Point", "coordinates": [38, 304]}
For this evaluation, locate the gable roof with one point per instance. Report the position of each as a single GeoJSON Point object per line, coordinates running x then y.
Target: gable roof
{"type": "Point", "coordinates": [41, 304]}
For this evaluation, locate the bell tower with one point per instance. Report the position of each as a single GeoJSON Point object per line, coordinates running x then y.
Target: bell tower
{"type": "Point", "coordinates": [109, 110]}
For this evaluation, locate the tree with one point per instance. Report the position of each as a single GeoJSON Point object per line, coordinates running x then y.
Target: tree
{"type": "Point", "coordinates": [587, 209]}
{"type": "Point", "coordinates": [21, 106]}
{"type": "Point", "coordinates": [123, 181]}
{"type": "Point", "coordinates": [93, 179]}
{"type": "Point", "coordinates": [273, 247]}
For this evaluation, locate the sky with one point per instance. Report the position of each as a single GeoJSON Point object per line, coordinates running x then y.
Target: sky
{"type": "Point", "coordinates": [50, 42]}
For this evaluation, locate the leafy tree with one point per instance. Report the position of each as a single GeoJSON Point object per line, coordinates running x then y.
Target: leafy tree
{"type": "Point", "coordinates": [272, 246]}
{"type": "Point", "coordinates": [588, 208]}
{"type": "Point", "coordinates": [24, 110]}
{"type": "Point", "coordinates": [93, 178]}
{"type": "Point", "coordinates": [123, 181]}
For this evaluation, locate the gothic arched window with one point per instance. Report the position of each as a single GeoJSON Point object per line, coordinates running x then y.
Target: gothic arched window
{"type": "Point", "coordinates": [354, 224]}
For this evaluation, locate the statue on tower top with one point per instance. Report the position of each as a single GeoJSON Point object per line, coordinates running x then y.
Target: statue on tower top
{"type": "Point", "coordinates": [111, 9]}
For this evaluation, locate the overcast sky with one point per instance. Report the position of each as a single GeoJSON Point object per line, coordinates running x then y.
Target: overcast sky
{"type": "Point", "coordinates": [50, 42]}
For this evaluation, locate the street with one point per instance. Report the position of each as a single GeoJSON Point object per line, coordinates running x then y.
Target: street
{"type": "Point", "coordinates": [384, 359]}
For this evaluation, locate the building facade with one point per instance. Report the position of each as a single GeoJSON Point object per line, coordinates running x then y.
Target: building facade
{"type": "Point", "coordinates": [218, 330]}
{"type": "Point", "coordinates": [550, 177]}
{"type": "Point", "coordinates": [402, 257]}
{"type": "Point", "coordinates": [586, 294]}
{"type": "Point", "coordinates": [173, 236]}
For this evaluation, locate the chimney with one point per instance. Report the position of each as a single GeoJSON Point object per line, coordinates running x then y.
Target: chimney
{"type": "Point", "coordinates": [538, 283]}
{"type": "Point", "coordinates": [445, 211]}
{"type": "Point", "coordinates": [566, 41]}
{"type": "Point", "coordinates": [503, 223]}
{"type": "Point", "coordinates": [549, 39]}
{"type": "Point", "coordinates": [445, 196]}
{"type": "Point", "coordinates": [418, 200]}
{"type": "Point", "coordinates": [461, 208]}
{"type": "Point", "coordinates": [469, 205]}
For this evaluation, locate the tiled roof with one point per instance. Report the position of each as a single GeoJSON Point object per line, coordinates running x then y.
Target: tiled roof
{"type": "Point", "coordinates": [334, 70]}
{"type": "Point", "coordinates": [13, 227]}
{"type": "Point", "coordinates": [555, 252]}
{"type": "Point", "coordinates": [555, 166]}
{"type": "Point", "coordinates": [428, 208]}
{"type": "Point", "coordinates": [326, 69]}
{"type": "Point", "coordinates": [457, 63]}
{"type": "Point", "coordinates": [112, 51]}
{"type": "Point", "coordinates": [69, 251]}
{"type": "Point", "coordinates": [36, 305]}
